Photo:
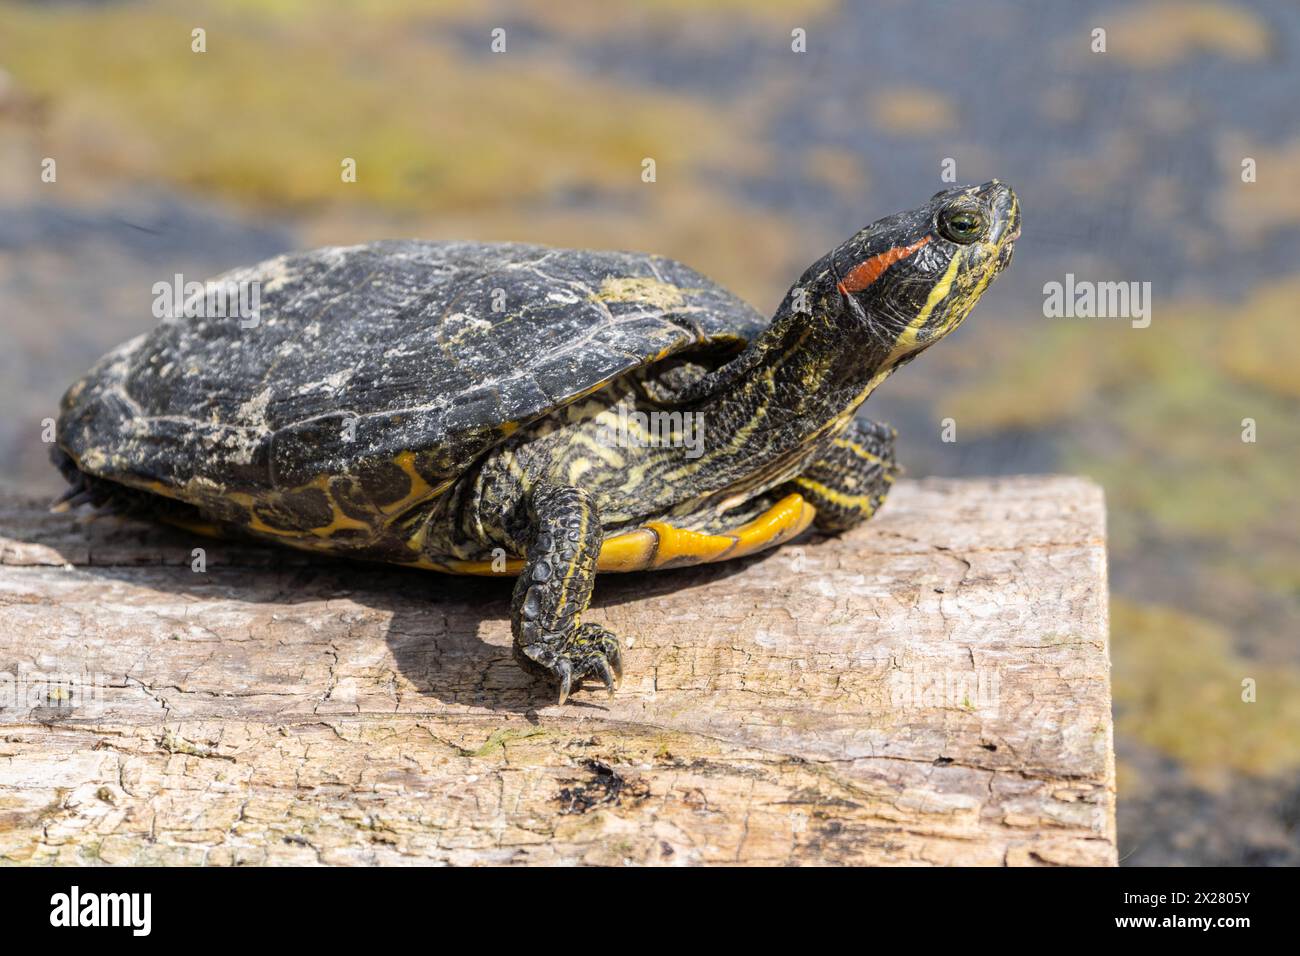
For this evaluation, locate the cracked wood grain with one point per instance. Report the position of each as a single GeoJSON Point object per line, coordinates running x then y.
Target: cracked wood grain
{"type": "Point", "coordinates": [932, 688]}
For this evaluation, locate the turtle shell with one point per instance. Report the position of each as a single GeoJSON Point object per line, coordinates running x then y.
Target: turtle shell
{"type": "Point", "coordinates": [376, 374]}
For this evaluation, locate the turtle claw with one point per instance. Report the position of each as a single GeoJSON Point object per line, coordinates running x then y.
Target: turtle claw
{"type": "Point", "coordinates": [588, 651]}
{"type": "Point", "coordinates": [72, 498]}
{"type": "Point", "coordinates": [615, 659]}
{"type": "Point", "coordinates": [553, 590]}
{"type": "Point", "coordinates": [602, 670]}
{"type": "Point", "coordinates": [564, 671]}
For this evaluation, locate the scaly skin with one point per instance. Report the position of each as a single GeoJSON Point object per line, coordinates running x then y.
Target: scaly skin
{"type": "Point", "coordinates": [780, 417]}
{"type": "Point", "coordinates": [411, 422]}
{"type": "Point", "coordinates": [554, 589]}
{"type": "Point", "coordinates": [848, 484]}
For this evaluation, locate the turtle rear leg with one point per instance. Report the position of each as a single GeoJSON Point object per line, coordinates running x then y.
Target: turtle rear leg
{"type": "Point", "coordinates": [111, 498]}
{"type": "Point", "coordinates": [554, 589]}
{"type": "Point", "coordinates": [849, 482]}
{"type": "Point", "coordinates": [107, 497]}
{"type": "Point", "coordinates": [81, 487]}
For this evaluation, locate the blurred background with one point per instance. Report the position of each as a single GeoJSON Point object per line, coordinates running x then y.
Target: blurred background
{"type": "Point", "coordinates": [1128, 164]}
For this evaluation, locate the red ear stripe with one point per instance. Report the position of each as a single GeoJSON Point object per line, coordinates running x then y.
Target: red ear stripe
{"type": "Point", "coordinates": [865, 273]}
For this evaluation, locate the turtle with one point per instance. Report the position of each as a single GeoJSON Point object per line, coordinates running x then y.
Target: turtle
{"type": "Point", "coordinates": [524, 410]}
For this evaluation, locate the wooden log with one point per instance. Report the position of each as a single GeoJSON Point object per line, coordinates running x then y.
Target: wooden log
{"type": "Point", "coordinates": [930, 688]}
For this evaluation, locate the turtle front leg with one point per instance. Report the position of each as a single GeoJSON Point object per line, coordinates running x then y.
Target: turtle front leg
{"type": "Point", "coordinates": [554, 589]}
{"type": "Point", "coordinates": [849, 482]}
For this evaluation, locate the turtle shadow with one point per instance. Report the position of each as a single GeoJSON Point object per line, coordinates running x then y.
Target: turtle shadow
{"type": "Point", "coordinates": [448, 636]}
{"type": "Point", "coordinates": [466, 658]}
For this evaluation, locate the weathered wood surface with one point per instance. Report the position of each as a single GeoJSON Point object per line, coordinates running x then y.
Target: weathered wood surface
{"type": "Point", "coordinates": [931, 688]}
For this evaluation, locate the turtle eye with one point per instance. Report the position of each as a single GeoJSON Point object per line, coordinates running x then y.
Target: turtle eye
{"type": "Point", "coordinates": [962, 225]}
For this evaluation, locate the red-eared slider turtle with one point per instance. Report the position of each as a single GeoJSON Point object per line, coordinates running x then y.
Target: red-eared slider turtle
{"type": "Point", "coordinates": [549, 413]}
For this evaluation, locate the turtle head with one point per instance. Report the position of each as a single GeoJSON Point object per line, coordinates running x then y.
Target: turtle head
{"type": "Point", "coordinates": [912, 278]}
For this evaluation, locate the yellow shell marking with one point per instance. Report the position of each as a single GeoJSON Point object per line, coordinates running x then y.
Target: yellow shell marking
{"type": "Point", "coordinates": [642, 290]}
{"type": "Point", "coordinates": [205, 528]}
{"type": "Point", "coordinates": [629, 551]}
{"type": "Point", "coordinates": [420, 489]}
{"type": "Point", "coordinates": [786, 519]}
{"type": "Point", "coordinates": [660, 545]}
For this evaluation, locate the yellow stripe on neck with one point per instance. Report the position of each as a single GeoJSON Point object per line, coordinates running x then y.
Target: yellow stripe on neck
{"type": "Point", "coordinates": [906, 340]}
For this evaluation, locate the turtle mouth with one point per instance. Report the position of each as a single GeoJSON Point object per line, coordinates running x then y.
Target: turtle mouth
{"type": "Point", "coordinates": [1006, 235]}
{"type": "Point", "coordinates": [1004, 210]}
{"type": "Point", "coordinates": [1006, 213]}
{"type": "Point", "coordinates": [1008, 250]}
